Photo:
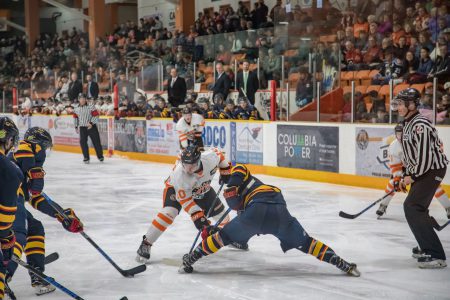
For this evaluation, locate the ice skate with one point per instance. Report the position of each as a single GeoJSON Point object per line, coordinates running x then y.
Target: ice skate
{"type": "Point", "coordinates": [428, 262]}
{"type": "Point", "coordinates": [349, 268]}
{"type": "Point", "coordinates": [143, 253]}
{"type": "Point", "coordinates": [417, 253]}
{"type": "Point", "coordinates": [238, 246]}
{"type": "Point", "coordinates": [381, 210]}
{"type": "Point", "coordinates": [40, 286]}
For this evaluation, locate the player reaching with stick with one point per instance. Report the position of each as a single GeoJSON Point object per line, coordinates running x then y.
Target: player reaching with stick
{"type": "Point", "coordinates": [262, 210]}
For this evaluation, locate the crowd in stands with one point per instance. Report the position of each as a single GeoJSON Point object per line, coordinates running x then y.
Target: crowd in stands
{"type": "Point", "coordinates": [404, 41]}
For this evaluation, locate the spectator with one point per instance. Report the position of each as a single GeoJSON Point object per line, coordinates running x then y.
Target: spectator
{"type": "Point", "coordinates": [247, 82]}
{"type": "Point", "coordinates": [352, 57]}
{"type": "Point", "coordinates": [371, 55]}
{"type": "Point", "coordinates": [441, 68]}
{"type": "Point", "coordinates": [91, 87]}
{"type": "Point", "coordinates": [75, 87]}
{"type": "Point", "coordinates": [391, 68]}
{"type": "Point", "coordinates": [222, 84]}
{"type": "Point", "coordinates": [397, 33]}
{"type": "Point", "coordinates": [272, 65]}
{"type": "Point", "coordinates": [381, 115]}
{"type": "Point", "coordinates": [304, 90]}
{"type": "Point", "coordinates": [275, 11]}
{"type": "Point", "coordinates": [176, 89]}
{"type": "Point", "coordinates": [360, 25]}
{"type": "Point", "coordinates": [401, 48]}
{"type": "Point", "coordinates": [126, 88]}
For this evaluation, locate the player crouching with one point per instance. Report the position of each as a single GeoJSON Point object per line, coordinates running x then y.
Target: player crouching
{"type": "Point", "coordinates": [262, 211]}
{"type": "Point", "coordinates": [189, 187]}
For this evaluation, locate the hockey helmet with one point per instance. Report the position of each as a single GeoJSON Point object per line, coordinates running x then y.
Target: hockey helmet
{"type": "Point", "coordinates": [186, 111]}
{"type": "Point", "coordinates": [190, 157]}
{"type": "Point", "coordinates": [407, 95]}
{"type": "Point", "coordinates": [38, 135]}
{"type": "Point", "coordinates": [8, 130]}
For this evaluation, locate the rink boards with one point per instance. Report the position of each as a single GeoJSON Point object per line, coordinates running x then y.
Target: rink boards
{"type": "Point", "coordinates": [350, 154]}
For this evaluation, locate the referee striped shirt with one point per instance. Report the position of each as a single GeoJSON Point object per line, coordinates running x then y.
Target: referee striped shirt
{"type": "Point", "coordinates": [422, 148]}
{"type": "Point", "coordinates": [83, 115]}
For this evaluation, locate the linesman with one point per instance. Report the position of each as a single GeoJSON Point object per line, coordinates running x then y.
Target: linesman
{"type": "Point", "coordinates": [86, 118]}
{"type": "Point", "coordinates": [426, 165]}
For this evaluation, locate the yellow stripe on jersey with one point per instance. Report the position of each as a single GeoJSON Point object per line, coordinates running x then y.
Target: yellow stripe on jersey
{"type": "Point", "coordinates": [260, 189]}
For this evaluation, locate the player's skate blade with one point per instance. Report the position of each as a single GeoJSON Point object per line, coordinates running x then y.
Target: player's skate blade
{"type": "Point", "coordinates": [427, 262]}
{"type": "Point", "coordinates": [143, 253]}
{"type": "Point", "coordinates": [235, 245]}
{"type": "Point", "coordinates": [353, 271]}
{"type": "Point", "coordinates": [381, 210]}
{"type": "Point", "coordinates": [417, 253]}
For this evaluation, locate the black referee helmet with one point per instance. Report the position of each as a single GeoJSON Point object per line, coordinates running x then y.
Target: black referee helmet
{"type": "Point", "coordinates": [407, 96]}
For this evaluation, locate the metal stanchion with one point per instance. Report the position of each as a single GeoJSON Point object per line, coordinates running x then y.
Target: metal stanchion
{"type": "Point", "coordinates": [288, 111]}
{"type": "Point", "coordinates": [352, 119]}
{"type": "Point", "coordinates": [235, 74]}
{"type": "Point", "coordinates": [110, 80]}
{"type": "Point", "coordinates": [435, 83]}
{"type": "Point", "coordinates": [257, 70]}
{"type": "Point", "coordinates": [82, 77]}
{"type": "Point", "coordinates": [4, 101]}
{"type": "Point", "coordinates": [214, 71]}
{"type": "Point", "coordinates": [142, 78]}
{"type": "Point", "coordinates": [126, 73]}
{"type": "Point", "coordinates": [391, 95]}
{"type": "Point", "coordinates": [318, 102]}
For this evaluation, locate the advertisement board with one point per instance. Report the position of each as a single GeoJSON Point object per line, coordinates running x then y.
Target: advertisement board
{"type": "Point", "coordinates": [162, 137]}
{"type": "Point", "coordinates": [129, 135]}
{"type": "Point", "coordinates": [371, 150]}
{"type": "Point", "coordinates": [61, 129]}
{"type": "Point", "coordinates": [249, 143]}
{"type": "Point", "coordinates": [308, 147]}
{"type": "Point", "coordinates": [217, 134]}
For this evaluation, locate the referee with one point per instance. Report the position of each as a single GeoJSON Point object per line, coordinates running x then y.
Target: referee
{"type": "Point", "coordinates": [425, 165]}
{"type": "Point", "coordinates": [86, 117]}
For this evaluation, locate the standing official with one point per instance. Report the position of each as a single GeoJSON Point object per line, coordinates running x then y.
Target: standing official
{"type": "Point", "coordinates": [426, 166]}
{"type": "Point", "coordinates": [91, 88]}
{"type": "Point", "coordinates": [247, 83]}
{"type": "Point", "coordinates": [75, 87]}
{"type": "Point", "coordinates": [86, 118]}
{"type": "Point", "coordinates": [176, 89]}
{"type": "Point", "coordinates": [223, 82]}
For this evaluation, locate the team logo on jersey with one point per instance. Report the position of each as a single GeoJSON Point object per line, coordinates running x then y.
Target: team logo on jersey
{"type": "Point", "coordinates": [202, 189]}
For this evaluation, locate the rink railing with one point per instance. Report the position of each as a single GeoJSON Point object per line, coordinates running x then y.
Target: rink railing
{"type": "Point", "coordinates": [350, 154]}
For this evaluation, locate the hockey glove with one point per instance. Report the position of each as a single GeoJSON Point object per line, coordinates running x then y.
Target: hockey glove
{"type": "Point", "coordinates": [36, 177]}
{"type": "Point", "coordinates": [200, 220]}
{"type": "Point", "coordinates": [7, 244]}
{"type": "Point", "coordinates": [225, 174]}
{"type": "Point", "coordinates": [70, 221]}
{"type": "Point", "coordinates": [231, 195]}
{"type": "Point", "coordinates": [209, 230]}
{"type": "Point", "coordinates": [397, 184]}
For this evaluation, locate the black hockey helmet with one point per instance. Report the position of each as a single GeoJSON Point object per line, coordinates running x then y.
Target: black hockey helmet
{"type": "Point", "coordinates": [218, 97]}
{"type": "Point", "coordinates": [202, 100]}
{"type": "Point", "coordinates": [190, 155]}
{"type": "Point", "coordinates": [407, 95]}
{"type": "Point", "coordinates": [8, 130]}
{"type": "Point", "coordinates": [186, 111]}
{"type": "Point", "coordinates": [38, 135]}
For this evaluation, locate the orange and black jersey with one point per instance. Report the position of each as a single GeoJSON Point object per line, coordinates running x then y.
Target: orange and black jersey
{"type": "Point", "coordinates": [28, 157]}
{"type": "Point", "coordinates": [251, 189]}
{"type": "Point", "coordinates": [10, 182]}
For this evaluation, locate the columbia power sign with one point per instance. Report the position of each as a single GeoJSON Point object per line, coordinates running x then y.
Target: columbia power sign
{"type": "Point", "coordinates": [308, 147]}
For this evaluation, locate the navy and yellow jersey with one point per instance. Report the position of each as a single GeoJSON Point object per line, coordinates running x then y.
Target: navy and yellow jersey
{"type": "Point", "coordinates": [248, 113]}
{"type": "Point", "coordinates": [251, 189]}
{"type": "Point", "coordinates": [29, 157]}
{"type": "Point", "coordinates": [10, 183]}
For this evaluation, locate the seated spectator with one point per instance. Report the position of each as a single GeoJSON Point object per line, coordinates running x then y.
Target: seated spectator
{"type": "Point", "coordinates": [424, 41]}
{"type": "Point", "coordinates": [411, 63]}
{"type": "Point", "coordinates": [441, 68]}
{"type": "Point", "coordinates": [397, 33]}
{"type": "Point", "coordinates": [391, 68]}
{"type": "Point", "coordinates": [246, 111]}
{"type": "Point", "coordinates": [361, 41]}
{"type": "Point", "coordinates": [352, 57]}
{"type": "Point", "coordinates": [304, 90]}
{"type": "Point", "coordinates": [363, 112]}
{"type": "Point", "coordinates": [385, 25]}
{"type": "Point", "coordinates": [381, 115]}
{"type": "Point", "coordinates": [424, 68]}
{"type": "Point", "coordinates": [376, 101]}
{"type": "Point", "coordinates": [347, 108]}
{"type": "Point", "coordinates": [371, 54]}
{"type": "Point", "coordinates": [373, 32]}
{"type": "Point", "coordinates": [443, 107]}
{"type": "Point", "coordinates": [401, 48]}
{"type": "Point", "coordinates": [360, 25]}
{"type": "Point", "coordinates": [426, 106]}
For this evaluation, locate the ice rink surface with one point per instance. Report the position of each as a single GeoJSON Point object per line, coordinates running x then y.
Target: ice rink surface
{"type": "Point", "coordinates": [116, 201]}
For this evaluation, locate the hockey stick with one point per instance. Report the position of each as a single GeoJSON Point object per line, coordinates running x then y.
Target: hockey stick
{"type": "Point", "coordinates": [126, 273]}
{"type": "Point", "coordinates": [47, 260]}
{"type": "Point", "coordinates": [350, 216]}
{"type": "Point", "coordinates": [46, 278]}
{"type": "Point", "coordinates": [437, 226]}
{"type": "Point", "coordinates": [207, 215]}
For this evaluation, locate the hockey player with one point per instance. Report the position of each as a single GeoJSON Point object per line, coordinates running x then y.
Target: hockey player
{"type": "Point", "coordinates": [188, 187]}
{"type": "Point", "coordinates": [10, 181]}
{"type": "Point", "coordinates": [30, 157]}
{"type": "Point", "coordinates": [205, 109]}
{"type": "Point", "coordinates": [190, 129]}
{"type": "Point", "coordinates": [246, 111]}
{"type": "Point", "coordinates": [229, 112]}
{"type": "Point", "coordinates": [218, 104]}
{"type": "Point", "coordinates": [262, 211]}
{"type": "Point", "coordinates": [396, 167]}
